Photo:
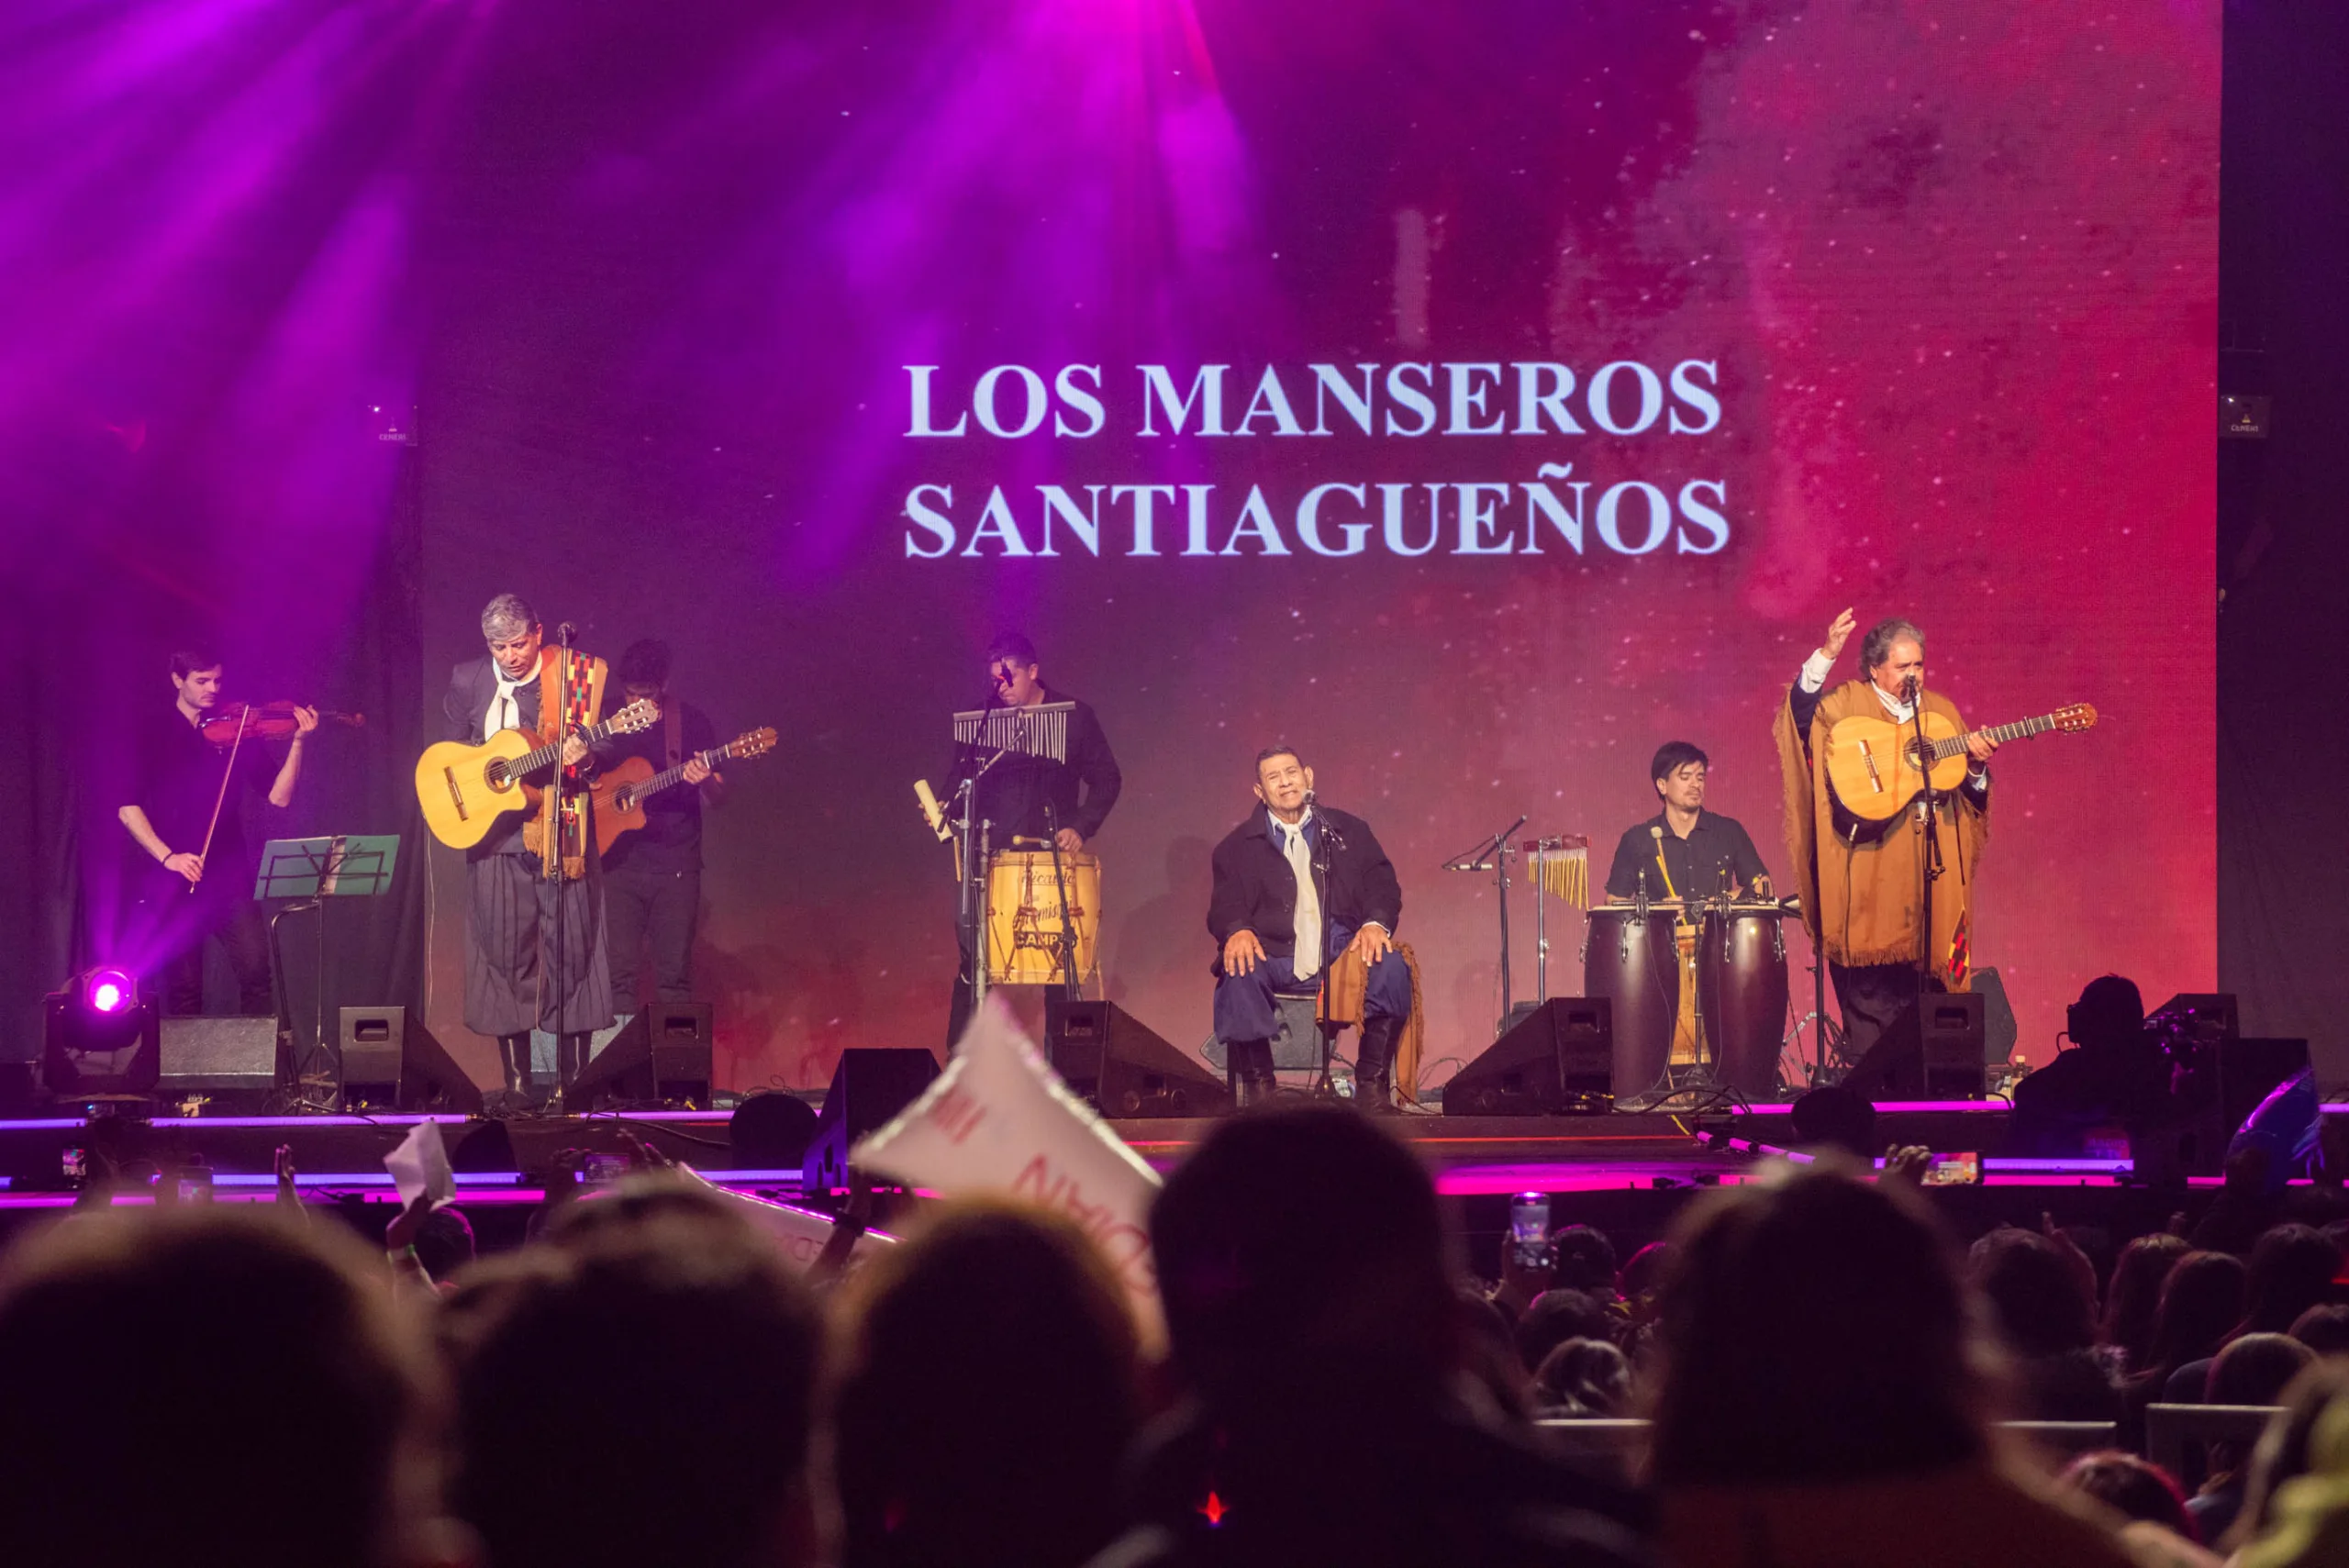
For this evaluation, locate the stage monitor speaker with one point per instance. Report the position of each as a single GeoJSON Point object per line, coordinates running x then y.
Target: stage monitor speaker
{"type": "Point", "coordinates": [230, 1059]}
{"type": "Point", "coordinates": [869, 1086]}
{"type": "Point", "coordinates": [1108, 1056]}
{"type": "Point", "coordinates": [1560, 1059]}
{"type": "Point", "coordinates": [1998, 1030]}
{"type": "Point", "coordinates": [1932, 1052]}
{"type": "Point", "coordinates": [82, 1057]}
{"type": "Point", "coordinates": [391, 1062]}
{"type": "Point", "coordinates": [660, 1055]}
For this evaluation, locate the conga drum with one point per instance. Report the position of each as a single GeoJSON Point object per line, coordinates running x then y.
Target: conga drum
{"type": "Point", "coordinates": [1742, 984]}
{"type": "Point", "coordinates": [1025, 922]}
{"type": "Point", "coordinates": [1634, 964]}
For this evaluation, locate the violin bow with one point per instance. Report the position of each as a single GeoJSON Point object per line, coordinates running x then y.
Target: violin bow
{"type": "Point", "coordinates": [227, 773]}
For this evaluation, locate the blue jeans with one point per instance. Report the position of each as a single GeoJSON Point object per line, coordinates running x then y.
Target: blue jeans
{"type": "Point", "coordinates": [1244, 1003]}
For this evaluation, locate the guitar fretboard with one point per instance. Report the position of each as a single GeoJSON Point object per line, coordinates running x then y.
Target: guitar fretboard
{"type": "Point", "coordinates": [661, 780]}
{"type": "Point", "coordinates": [531, 761]}
{"type": "Point", "coordinates": [1945, 750]}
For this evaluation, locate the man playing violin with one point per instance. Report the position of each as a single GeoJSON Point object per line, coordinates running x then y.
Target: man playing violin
{"type": "Point", "coordinates": [188, 813]}
{"type": "Point", "coordinates": [510, 904]}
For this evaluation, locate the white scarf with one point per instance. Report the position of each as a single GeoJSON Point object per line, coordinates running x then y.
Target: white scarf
{"type": "Point", "coordinates": [505, 708]}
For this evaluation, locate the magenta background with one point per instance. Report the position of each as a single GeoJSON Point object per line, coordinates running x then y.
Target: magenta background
{"type": "Point", "coordinates": [649, 281]}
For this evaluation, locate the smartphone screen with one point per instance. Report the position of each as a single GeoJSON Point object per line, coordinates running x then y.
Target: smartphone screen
{"type": "Point", "coordinates": [1528, 1228]}
{"type": "Point", "coordinates": [76, 1165]}
{"type": "Point", "coordinates": [601, 1170]}
{"type": "Point", "coordinates": [1955, 1171]}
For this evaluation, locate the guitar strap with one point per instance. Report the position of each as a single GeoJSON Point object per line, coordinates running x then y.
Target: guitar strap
{"type": "Point", "coordinates": [572, 687]}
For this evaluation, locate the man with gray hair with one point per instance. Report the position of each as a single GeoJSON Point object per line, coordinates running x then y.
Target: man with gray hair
{"type": "Point", "coordinates": [1862, 899]}
{"type": "Point", "coordinates": [511, 970]}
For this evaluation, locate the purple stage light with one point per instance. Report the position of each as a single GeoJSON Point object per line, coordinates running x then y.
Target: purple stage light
{"type": "Point", "coordinates": [109, 991]}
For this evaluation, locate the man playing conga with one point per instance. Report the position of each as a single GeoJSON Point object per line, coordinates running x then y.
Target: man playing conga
{"type": "Point", "coordinates": [1033, 802]}
{"type": "Point", "coordinates": [1296, 885]}
{"type": "Point", "coordinates": [1685, 851]}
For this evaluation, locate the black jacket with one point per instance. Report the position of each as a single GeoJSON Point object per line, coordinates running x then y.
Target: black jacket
{"type": "Point", "coordinates": [1014, 792]}
{"type": "Point", "coordinates": [1255, 890]}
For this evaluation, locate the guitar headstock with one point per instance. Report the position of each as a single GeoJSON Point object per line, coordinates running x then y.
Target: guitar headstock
{"type": "Point", "coordinates": [2070, 720]}
{"type": "Point", "coordinates": [641, 714]}
{"type": "Point", "coordinates": [750, 743]}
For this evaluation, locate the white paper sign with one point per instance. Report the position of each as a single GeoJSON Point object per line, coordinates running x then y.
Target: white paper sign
{"type": "Point", "coordinates": [1000, 1121]}
{"type": "Point", "coordinates": [800, 1232]}
{"type": "Point", "coordinates": [420, 1164]}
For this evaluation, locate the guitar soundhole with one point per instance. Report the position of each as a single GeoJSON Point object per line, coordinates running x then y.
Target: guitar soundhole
{"type": "Point", "coordinates": [496, 774]}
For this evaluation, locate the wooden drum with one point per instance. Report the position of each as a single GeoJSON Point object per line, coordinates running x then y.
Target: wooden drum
{"type": "Point", "coordinates": [1741, 982]}
{"type": "Point", "coordinates": [1024, 922]}
{"type": "Point", "coordinates": [1636, 964]}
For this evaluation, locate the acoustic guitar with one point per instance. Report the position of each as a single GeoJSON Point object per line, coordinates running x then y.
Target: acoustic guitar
{"type": "Point", "coordinates": [465, 789]}
{"type": "Point", "coordinates": [1872, 764]}
{"type": "Point", "coordinates": [620, 793]}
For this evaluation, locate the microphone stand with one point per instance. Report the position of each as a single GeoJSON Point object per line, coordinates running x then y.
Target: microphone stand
{"type": "Point", "coordinates": [971, 859]}
{"type": "Point", "coordinates": [1327, 842]}
{"type": "Point", "coordinates": [1930, 859]}
{"type": "Point", "coordinates": [553, 844]}
{"type": "Point", "coordinates": [1492, 855]}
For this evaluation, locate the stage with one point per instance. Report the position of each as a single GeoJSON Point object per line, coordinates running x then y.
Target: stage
{"type": "Point", "coordinates": [1628, 1174]}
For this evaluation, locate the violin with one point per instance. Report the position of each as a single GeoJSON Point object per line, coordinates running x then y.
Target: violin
{"type": "Point", "coordinates": [232, 721]}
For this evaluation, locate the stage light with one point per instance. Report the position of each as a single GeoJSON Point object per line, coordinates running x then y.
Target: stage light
{"type": "Point", "coordinates": [101, 1038]}
{"type": "Point", "coordinates": [109, 991]}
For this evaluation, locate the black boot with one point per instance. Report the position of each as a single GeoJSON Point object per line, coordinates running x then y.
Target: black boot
{"type": "Point", "coordinates": [570, 1061]}
{"type": "Point", "coordinates": [1374, 1061]}
{"type": "Point", "coordinates": [514, 1066]}
{"type": "Point", "coordinates": [1249, 1068]}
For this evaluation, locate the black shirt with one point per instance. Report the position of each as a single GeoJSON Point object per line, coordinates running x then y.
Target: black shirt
{"type": "Point", "coordinates": [1717, 851]}
{"type": "Point", "coordinates": [670, 839]}
{"type": "Point", "coordinates": [176, 780]}
{"type": "Point", "coordinates": [1014, 792]}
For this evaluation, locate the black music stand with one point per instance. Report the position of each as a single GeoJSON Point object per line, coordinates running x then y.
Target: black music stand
{"type": "Point", "coordinates": [311, 871]}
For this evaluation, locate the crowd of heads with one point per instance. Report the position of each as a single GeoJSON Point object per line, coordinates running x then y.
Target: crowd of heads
{"type": "Point", "coordinates": [651, 1379]}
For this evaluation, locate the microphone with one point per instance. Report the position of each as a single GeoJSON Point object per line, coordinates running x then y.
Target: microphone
{"type": "Point", "coordinates": [566, 633]}
{"type": "Point", "coordinates": [1910, 686]}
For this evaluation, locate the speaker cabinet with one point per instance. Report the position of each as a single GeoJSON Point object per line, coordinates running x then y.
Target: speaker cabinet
{"type": "Point", "coordinates": [869, 1086]}
{"type": "Point", "coordinates": [1560, 1059]}
{"type": "Point", "coordinates": [662, 1054]}
{"type": "Point", "coordinates": [1934, 1051]}
{"type": "Point", "coordinates": [1126, 1071]}
{"type": "Point", "coordinates": [233, 1060]}
{"type": "Point", "coordinates": [391, 1062]}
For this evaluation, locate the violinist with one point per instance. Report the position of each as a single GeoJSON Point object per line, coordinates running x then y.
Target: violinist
{"type": "Point", "coordinates": [186, 812]}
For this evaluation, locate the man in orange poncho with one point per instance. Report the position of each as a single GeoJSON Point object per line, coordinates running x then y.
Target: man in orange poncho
{"type": "Point", "coordinates": [1862, 902]}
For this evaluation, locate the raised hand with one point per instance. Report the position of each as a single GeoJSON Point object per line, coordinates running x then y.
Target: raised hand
{"type": "Point", "coordinates": [1837, 633]}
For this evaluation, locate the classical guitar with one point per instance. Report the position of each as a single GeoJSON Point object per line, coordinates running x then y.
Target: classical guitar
{"type": "Point", "coordinates": [620, 793]}
{"type": "Point", "coordinates": [464, 789]}
{"type": "Point", "coordinates": [1872, 764]}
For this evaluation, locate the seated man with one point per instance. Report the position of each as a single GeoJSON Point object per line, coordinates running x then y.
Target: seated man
{"type": "Point", "coordinates": [1296, 885]}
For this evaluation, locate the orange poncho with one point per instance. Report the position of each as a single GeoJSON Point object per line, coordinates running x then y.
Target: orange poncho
{"type": "Point", "coordinates": [1862, 903]}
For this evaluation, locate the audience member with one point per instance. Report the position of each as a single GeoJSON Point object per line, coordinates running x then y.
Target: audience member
{"type": "Point", "coordinates": [2253, 1370]}
{"type": "Point", "coordinates": [2133, 1488]}
{"type": "Point", "coordinates": [1557, 1315]}
{"type": "Point", "coordinates": [989, 1388]}
{"type": "Point", "coordinates": [1302, 1258]}
{"type": "Point", "coordinates": [1584, 1377]}
{"type": "Point", "coordinates": [2284, 1449]}
{"type": "Point", "coordinates": [1586, 1261]}
{"type": "Point", "coordinates": [1876, 1449]}
{"type": "Point", "coordinates": [2324, 1329]}
{"type": "Point", "coordinates": [2291, 1270]}
{"type": "Point", "coordinates": [1646, 1272]}
{"type": "Point", "coordinates": [2135, 1290]}
{"type": "Point", "coordinates": [639, 1389]}
{"type": "Point", "coordinates": [2200, 1303]}
{"type": "Point", "coordinates": [159, 1362]}
{"type": "Point", "coordinates": [2043, 1302]}
{"type": "Point", "coordinates": [1491, 1346]}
